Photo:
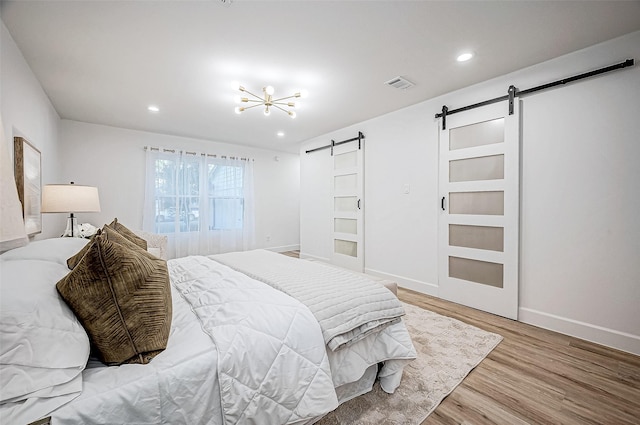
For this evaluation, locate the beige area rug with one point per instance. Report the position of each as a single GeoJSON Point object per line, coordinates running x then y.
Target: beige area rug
{"type": "Point", "coordinates": [447, 351]}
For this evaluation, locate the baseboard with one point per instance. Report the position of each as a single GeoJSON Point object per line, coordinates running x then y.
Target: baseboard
{"type": "Point", "coordinates": [414, 285]}
{"type": "Point", "coordinates": [284, 248]}
{"type": "Point", "coordinates": [600, 335]}
{"type": "Point", "coordinates": [405, 282]}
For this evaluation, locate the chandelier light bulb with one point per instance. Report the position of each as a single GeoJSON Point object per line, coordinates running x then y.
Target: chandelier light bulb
{"type": "Point", "coordinates": [267, 99]}
{"type": "Point", "coordinates": [236, 86]}
{"type": "Point", "coordinates": [303, 94]}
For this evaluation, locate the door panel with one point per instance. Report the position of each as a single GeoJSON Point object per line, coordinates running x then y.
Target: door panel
{"type": "Point", "coordinates": [478, 203]}
{"type": "Point", "coordinates": [484, 272]}
{"type": "Point", "coordinates": [347, 192]}
{"type": "Point", "coordinates": [480, 133]}
{"type": "Point", "coordinates": [478, 237]}
{"type": "Point", "coordinates": [478, 227]}
{"type": "Point", "coordinates": [480, 168]}
{"type": "Point", "coordinates": [345, 225]}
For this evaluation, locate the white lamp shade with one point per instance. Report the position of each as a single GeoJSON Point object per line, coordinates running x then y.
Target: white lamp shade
{"type": "Point", "coordinates": [70, 198]}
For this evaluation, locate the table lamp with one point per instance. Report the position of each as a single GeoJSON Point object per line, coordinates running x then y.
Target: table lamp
{"type": "Point", "coordinates": [70, 198]}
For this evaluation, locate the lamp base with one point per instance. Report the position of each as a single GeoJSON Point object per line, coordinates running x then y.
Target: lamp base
{"type": "Point", "coordinates": [72, 230]}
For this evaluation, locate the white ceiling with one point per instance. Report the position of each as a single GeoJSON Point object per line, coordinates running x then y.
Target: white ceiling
{"type": "Point", "coordinates": [104, 62]}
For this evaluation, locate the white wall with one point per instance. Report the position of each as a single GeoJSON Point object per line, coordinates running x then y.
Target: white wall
{"type": "Point", "coordinates": [580, 181]}
{"type": "Point", "coordinates": [113, 160]}
{"type": "Point", "coordinates": [27, 112]}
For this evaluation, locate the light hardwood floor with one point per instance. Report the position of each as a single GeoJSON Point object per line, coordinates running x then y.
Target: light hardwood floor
{"type": "Point", "coordinates": [536, 376]}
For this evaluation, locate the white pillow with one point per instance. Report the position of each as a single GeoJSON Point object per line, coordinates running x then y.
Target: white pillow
{"type": "Point", "coordinates": [57, 250]}
{"type": "Point", "coordinates": [42, 343]}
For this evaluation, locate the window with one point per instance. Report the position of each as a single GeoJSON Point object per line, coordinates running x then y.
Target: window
{"type": "Point", "coordinates": [225, 196]}
{"type": "Point", "coordinates": [192, 193]}
{"type": "Point", "coordinates": [203, 203]}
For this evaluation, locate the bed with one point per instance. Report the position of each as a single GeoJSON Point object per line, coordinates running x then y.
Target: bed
{"type": "Point", "coordinates": [240, 349]}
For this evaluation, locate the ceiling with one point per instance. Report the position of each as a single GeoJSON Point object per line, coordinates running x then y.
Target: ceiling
{"type": "Point", "coordinates": [105, 62]}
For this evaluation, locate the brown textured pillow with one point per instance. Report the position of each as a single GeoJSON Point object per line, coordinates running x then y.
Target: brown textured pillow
{"type": "Point", "coordinates": [72, 261]}
{"type": "Point", "coordinates": [118, 227]}
{"type": "Point", "coordinates": [122, 298]}
{"type": "Point", "coordinates": [119, 236]}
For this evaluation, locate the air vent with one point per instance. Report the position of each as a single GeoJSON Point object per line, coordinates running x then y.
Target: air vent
{"type": "Point", "coordinates": [400, 83]}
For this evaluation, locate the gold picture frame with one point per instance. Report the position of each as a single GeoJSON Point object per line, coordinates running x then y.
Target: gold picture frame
{"type": "Point", "coordinates": [28, 175]}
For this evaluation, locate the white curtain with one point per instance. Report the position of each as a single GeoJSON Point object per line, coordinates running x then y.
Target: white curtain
{"type": "Point", "coordinates": [203, 203]}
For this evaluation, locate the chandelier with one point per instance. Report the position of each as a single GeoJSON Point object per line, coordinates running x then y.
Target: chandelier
{"type": "Point", "coordinates": [267, 100]}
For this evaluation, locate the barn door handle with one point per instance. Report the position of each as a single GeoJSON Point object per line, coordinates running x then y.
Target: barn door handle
{"type": "Point", "coordinates": [442, 204]}
{"type": "Point", "coordinates": [359, 204]}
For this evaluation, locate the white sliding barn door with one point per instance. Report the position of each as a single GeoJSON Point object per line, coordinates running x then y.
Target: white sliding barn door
{"type": "Point", "coordinates": [347, 229]}
{"type": "Point", "coordinates": [479, 209]}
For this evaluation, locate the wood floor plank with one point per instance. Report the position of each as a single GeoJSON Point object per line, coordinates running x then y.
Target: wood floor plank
{"type": "Point", "coordinates": [527, 397]}
{"type": "Point", "coordinates": [467, 405]}
{"type": "Point", "coordinates": [606, 351]}
{"type": "Point", "coordinates": [629, 374]}
{"type": "Point", "coordinates": [537, 376]}
{"type": "Point", "coordinates": [599, 410]}
{"type": "Point", "coordinates": [566, 371]}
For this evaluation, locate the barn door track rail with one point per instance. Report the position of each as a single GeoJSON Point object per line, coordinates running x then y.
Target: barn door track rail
{"type": "Point", "coordinates": [513, 91]}
{"type": "Point", "coordinates": [360, 139]}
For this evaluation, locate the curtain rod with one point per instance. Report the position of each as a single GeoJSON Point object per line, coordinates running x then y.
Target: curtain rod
{"type": "Point", "coordinates": [210, 155]}
{"type": "Point", "coordinates": [515, 92]}
{"type": "Point", "coordinates": [359, 138]}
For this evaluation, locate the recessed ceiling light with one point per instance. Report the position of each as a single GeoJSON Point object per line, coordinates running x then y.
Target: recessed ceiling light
{"type": "Point", "coordinates": [280, 133]}
{"type": "Point", "coordinates": [464, 57]}
{"type": "Point", "coordinates": [153, 108]}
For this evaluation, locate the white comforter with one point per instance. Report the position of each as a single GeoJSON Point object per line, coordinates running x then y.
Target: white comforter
{"type": "Point", "coordinates": [272, 364]}
{"type": "Point", "coordinates": [261, 361]}
{"type": "Point", "coordinates": [360, 319]}
{"type": "Point", "coordinates": [348, 306]}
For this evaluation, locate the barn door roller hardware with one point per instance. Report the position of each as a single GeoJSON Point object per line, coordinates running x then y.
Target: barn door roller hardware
{"type": "Point", "coordinates": [513, 92]}
{"type": "Point", "coordinates": [360, 139]}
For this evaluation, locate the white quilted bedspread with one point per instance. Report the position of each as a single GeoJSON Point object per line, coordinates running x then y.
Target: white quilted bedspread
{"type": "Point", "coordinates": [348, 306]}
{"type": "Point", "coordinates": [272, 363]}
